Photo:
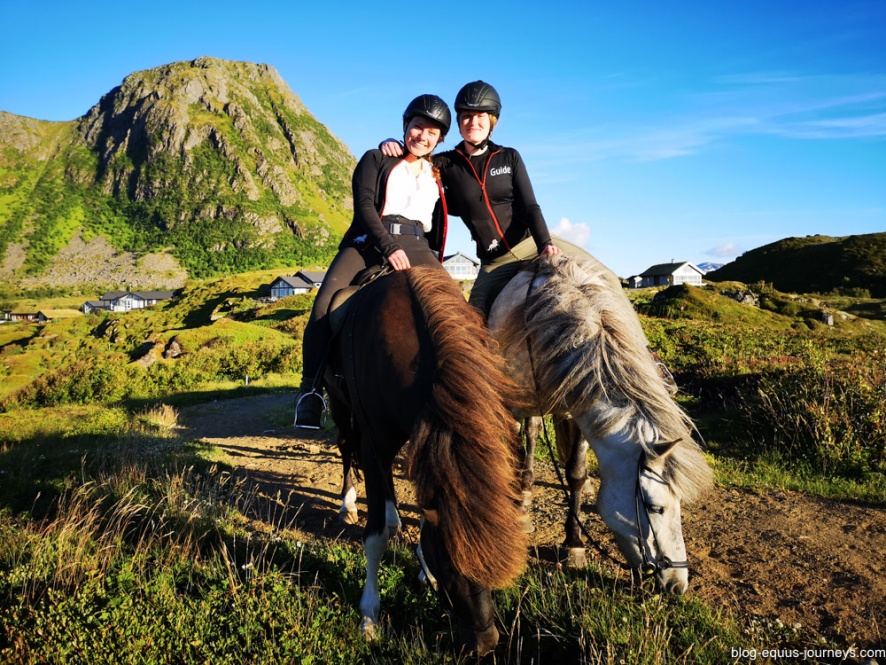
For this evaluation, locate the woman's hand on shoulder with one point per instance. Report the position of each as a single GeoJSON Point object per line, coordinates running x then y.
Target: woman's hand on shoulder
{"type": "Point", "coordinates": [391, 148]}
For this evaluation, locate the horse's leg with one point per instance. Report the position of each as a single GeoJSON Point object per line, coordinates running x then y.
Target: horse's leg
{"type": "Point", "coordinates": [392, 514]}
{"type": "Point", "coordinates": [375, 541]}
{"type": "Point", "coordinates": [529, 429]}
{"type": "Point", "coordinates": [576, 477]}
{"type": "Point", "coordinates": [347, 513]}
{"type": "Point", "coordinates": [347, 436]}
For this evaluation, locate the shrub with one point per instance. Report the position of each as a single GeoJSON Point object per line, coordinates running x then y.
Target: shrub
{"type": "Point", "coordinates": [829, 414]}
{"type": "Point", "coordinates": [97, 379]}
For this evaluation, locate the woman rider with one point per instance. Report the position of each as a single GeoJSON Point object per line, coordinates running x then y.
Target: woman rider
{"type": "Point", "coordinates": [399, 218]}
{"type": "Point", "coordinates": [487, 185]}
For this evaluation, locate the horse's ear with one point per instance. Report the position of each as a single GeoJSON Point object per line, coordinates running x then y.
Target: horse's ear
{"type": "Point", "coordinates": [662, 448]}
{"type": "Point", "coordinates": [431, 516]}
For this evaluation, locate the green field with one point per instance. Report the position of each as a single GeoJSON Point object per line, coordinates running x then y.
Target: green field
{"type": "Point", "coordinates": [121, 540]}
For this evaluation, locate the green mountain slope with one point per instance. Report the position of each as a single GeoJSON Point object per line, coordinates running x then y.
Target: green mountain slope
{"type": "Point", "coordinates": [216, 162]}
{"type": "Point", "coordinates": [814, 264]}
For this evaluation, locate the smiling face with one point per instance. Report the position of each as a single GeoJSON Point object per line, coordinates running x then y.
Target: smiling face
{"type": "Point", "coordinates": [421, 136]}
{"type": "Point", "coordinates": [474, 127]}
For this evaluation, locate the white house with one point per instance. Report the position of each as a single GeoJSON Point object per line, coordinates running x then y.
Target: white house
{"type": "Point", "coordinates": [634, 281]}
{"type": "Point", "coordinates": [124, 301]}
{"type": "Point", "coordinates": [301, 282]}
{"type": "Point", "coordinates": [669, 274]}
{"type": "Point", "coordinates": [461, 267]}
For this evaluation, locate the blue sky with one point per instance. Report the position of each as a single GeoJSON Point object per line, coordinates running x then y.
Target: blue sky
{"type": "Point", "coordinates": [652, 131]}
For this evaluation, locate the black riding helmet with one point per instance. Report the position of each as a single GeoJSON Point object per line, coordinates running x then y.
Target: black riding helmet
{"type": "Point", "coordinates": [478, 97]}
{"type": "Point", "coordinates": [431, 107]}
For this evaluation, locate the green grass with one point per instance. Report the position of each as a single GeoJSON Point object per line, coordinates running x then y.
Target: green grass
{"type": "Point", "coordinates": [143, 553]}
{"type": "Point", "coordinates": [772, 471]}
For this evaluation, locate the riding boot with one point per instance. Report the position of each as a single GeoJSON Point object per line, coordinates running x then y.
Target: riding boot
{"type": "Point", "coordinates": [309, 403]}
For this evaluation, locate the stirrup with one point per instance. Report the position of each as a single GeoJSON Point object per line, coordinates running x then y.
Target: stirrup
{"type": "Point", "coordinates": [313, 392]}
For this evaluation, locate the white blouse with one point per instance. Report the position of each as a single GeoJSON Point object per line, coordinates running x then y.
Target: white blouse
{"type": "Point", "coordinates": [411, 196]}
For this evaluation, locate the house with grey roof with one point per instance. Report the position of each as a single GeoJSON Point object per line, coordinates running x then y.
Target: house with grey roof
{"type": "Point", "coordinates": [668, 274]}
{"type": "Point", "coordinates": [125, 301]}
{"type": "Point", "coordinates": [461, 266]}
{"type": "Point", "coordinates": [303, 281]}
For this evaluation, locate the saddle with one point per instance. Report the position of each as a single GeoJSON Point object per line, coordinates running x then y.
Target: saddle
{"type": "Point", "coordinates": [338, 305]}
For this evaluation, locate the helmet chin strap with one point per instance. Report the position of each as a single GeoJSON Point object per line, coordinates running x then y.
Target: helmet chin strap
{"type": "Point", "coordinates": [480, 146]}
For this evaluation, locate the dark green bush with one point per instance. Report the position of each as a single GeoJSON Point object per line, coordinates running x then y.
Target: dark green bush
{"type": "Point", "coordinates": [829, 414]}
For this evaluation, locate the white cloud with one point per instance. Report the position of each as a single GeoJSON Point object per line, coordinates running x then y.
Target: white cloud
{"type": "Point", "coordinates": [726, 250]}
{"type": "Point", "coordinates": [577, 234]}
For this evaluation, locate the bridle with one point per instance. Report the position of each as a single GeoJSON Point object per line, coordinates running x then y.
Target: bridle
{"type": "Point", "coordinates": [660, 563]}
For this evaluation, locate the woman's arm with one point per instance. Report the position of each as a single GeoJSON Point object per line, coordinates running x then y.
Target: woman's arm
{"type": "Point", "coordinates": [527, 205]}
{"type": "Point", "coordinates": [365, 184]}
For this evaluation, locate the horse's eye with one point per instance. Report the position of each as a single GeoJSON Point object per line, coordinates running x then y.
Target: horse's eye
{"type": "Point", "coordinates": [658, 510]}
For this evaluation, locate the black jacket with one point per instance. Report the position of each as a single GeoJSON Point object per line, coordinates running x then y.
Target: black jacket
{"type": "Point", "coordinates": [369, 185]}
{"type": "Point", "coordinates": [497, 204]}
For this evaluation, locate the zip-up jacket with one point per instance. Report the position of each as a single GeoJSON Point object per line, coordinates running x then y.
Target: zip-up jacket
{"type": "Point", "coordinates": [497, 204]}
{"type": "Point", "coordinates": [369, 186]}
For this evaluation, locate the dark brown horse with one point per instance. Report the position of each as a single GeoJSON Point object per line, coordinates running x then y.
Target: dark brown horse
{"type": "Point", "coordinates": [414, 362]}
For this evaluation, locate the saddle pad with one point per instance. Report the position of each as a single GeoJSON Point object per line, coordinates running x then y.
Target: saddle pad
{"type": "Point", "coordinates": [337, 310]}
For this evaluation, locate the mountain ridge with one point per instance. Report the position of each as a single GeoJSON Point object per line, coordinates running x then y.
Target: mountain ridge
{"type": "Point", "coordinates": [216, 163]}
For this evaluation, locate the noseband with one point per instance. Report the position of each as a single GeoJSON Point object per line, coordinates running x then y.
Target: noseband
{"type": "Point", "coordinates": [660, 563]}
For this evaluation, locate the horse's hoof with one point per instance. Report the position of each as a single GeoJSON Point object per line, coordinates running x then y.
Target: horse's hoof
{"type": "Point", "coordinates": [528, 524]}
{"type": "Point", "coordinates": [367, 627]}
{"type": "Point", "coordinates": [576, 557]}
{"type": "Point", "coordinates": [426, 581]}
{"type": "Point", "coordinates": [348, 517]}
{"type": "Point", "coordinates": [527, 500]}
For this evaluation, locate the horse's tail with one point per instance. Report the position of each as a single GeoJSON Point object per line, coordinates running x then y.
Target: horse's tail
{"type": "Point", "coordinates": [462, 457]}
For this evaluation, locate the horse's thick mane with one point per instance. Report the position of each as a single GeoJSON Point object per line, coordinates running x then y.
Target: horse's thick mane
{"type": "Point", "coordinates": [591, 355]}
{"type": "Point", "coordinates": [465, 441]}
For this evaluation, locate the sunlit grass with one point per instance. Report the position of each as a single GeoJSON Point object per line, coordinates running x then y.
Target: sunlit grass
{"type": "Point", "coordinates": [774, 472]}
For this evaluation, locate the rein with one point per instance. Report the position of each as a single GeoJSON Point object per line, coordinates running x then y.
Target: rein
{"type": "Point", "coordinates": [547, 438]}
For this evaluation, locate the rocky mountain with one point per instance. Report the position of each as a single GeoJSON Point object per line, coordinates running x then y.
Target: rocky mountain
{"type": "Point", "coordinates": [707, 266]}
{"type": "Point", "coordinates": [194, 168]}
{"type": "Point", "coordinates": [855, 265]}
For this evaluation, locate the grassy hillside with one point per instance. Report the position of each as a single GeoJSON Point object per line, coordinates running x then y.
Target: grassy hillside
{"type": "Point", "coordinates": [852, 265]}
{"type": "Point", "coordinates": [221, 335]}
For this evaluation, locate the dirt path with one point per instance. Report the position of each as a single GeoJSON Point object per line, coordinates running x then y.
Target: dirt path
{"type": "Point", "coordinates": [765, 556]}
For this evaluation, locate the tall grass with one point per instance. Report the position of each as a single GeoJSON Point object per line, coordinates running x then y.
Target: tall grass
{"type": "Point", "coordinates": [826, 413]}
{"type": "Point", "coordinates": [152, 555]}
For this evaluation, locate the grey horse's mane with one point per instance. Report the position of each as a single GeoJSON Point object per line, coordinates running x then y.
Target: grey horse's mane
{"type": "Point", "coordinates": [590, 354]}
